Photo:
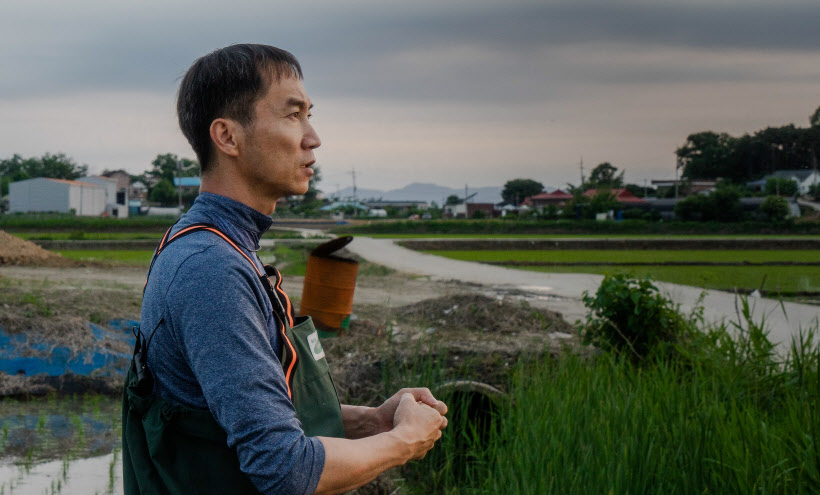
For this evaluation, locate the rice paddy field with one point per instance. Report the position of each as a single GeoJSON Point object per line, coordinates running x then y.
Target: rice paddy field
{"type": "Point", "coordinates": [729, 417]}
{"type": "Point", "coordinates": [772, 271]}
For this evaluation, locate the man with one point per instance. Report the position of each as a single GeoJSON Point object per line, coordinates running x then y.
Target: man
{"type": "Point", "coordinates": [220, 378]}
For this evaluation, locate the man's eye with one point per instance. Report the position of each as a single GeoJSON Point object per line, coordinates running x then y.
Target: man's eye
{"type": "Point", "coordinates": [295, 114]}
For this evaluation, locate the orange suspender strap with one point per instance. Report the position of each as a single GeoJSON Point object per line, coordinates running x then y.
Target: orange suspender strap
{"type": "Point", "coordinates": [290, 357]}
{"type": "Point", "coordinates": [288, 306]}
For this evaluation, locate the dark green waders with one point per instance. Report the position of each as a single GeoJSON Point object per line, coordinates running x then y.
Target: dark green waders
{"type": "Point", "coordinates": [173, 449]}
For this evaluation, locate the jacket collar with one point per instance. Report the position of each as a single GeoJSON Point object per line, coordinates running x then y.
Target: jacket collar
{"type": "Point", "coordinates": [238, 220]}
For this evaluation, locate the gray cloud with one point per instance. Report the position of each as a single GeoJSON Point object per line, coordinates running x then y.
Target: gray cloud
{"type": "Point", "coordinates": [459, 51]}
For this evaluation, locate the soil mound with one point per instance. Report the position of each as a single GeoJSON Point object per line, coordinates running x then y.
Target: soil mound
{"type": "Point", "coordinates": [474, 312]}
{"type": "Point", "coordinates": [16, 251]}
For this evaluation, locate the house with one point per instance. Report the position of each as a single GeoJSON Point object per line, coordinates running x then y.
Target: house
{"type": "Point", "coordinates": [187, 183]}
{"type": "Point", "coordinates": [685, 187]}
{"type": "Point", "coordinates": [805, 179]}
{"type": "Point", "coordinates": [666, 206]}
{"type": "Point", "coordinates": [623, 196]}
{"type": "Point", "coordinates": [57, 196]}
{"type": "Point", "coordinates": [404, 206]}
{"type": "Point", "coordinates": [138, 191]}
{"type": "Point", "coordinates": [541, 200]}
{"type": "Point", "coordinates": [116, 198]}
{"type": "Point", "coordinates": [487, 209]}
{"type": "Point", "coordinates": [122, 178]}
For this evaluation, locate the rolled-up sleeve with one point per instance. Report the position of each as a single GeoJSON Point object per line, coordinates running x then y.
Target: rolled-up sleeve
{"type": "Point", "coordinates": [223, 328]}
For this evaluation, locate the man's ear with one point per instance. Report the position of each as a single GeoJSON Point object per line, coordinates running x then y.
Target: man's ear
{"type": "Point", "coordinates": [226, 136]}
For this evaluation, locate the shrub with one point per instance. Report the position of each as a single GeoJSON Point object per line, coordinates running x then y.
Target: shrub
{"type": "Point", "coordinates": [632, 317]}
{"type": "Point", "coordinates": [722, 205]}
{"type": "Point", "coordinates": [775, 208]}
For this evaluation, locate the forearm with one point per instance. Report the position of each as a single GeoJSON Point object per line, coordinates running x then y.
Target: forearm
{"type": "Point", "coordinates": [360, 421]}
{"type": "Point", "coordinates": [352, 463]}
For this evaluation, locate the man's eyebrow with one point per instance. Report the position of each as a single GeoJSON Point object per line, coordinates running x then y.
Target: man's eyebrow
{"type": "Point", "coordinates": [296, 102]}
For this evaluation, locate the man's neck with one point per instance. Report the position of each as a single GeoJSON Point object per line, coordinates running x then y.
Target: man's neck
{"type": "Point", "coordinates": [232, 187]}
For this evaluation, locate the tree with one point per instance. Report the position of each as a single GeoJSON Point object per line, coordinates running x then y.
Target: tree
{"type": "Point", "coordinates": [639, 190]}
{"type": "Point", "coordinates": [312, 191]}
{"type": "Point", "coordinates": [605, 175]}
{"type": "Point", "coordinates": [722, 205]}
{"type": "Point", "coordinates": [706, 155]}
{"type": "Point", "coordinates": [452, 200]}
{"type": "Point", "coordinates": [578, 206]}
{"type": "Point", "coordinates": [814, 120]}
{"type": "Point", "coordinates": [57, 166]}
{"type": "Point", "coordinates": [780, 186]}
{"type": "Point", "coordinates": [517, 190]}
{"type": "Point", "coordinates": [169, 166]}
{"type": "Point", "coordinates": [603, 201]}
{"type": "Point", "coordinates": [775, 208]}
{"type": "Point", "coordinates": [164, 193]}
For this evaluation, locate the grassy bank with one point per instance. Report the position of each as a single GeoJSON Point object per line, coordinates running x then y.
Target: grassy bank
{"type": "Point", "coordinates": [433, 228]}
{"type": "Point", "coordinates": [584, 236]}
{"type": "Point", "coordinates": [626, 256]}
{"type": "Point", "coordinates": [57, 222]}
{"type": "Point", "coordinates": [772, 278]}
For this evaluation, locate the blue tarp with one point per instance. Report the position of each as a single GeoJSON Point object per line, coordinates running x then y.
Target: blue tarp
{"type": "Point", "coordinates": [21, 355]}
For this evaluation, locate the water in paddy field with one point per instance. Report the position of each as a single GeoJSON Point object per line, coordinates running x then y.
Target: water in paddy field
{"type": "Point", "coordinates": [66, 445]}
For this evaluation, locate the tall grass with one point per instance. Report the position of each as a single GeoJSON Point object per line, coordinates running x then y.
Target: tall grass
{"type": "Point", "coordinates": [609, 427]}
{"type": "Point", "coordinates": [725, 415]}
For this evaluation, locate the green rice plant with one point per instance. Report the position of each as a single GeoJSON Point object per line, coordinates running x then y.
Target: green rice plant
{"type": "Point", "coordinates": [609, 427]}
{"type": "Point", "coordinates": [65, 463]}
{"type": "Point", "coordinates": [139, 257]}
{"type": "Point", "coordinates": [725, 415]}
{"type": "Point", "coordinates": [79, 430]}
{"type": "Point", "coordinates": [112, 471]}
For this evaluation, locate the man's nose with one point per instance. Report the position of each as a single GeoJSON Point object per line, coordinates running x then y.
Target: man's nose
{"type": "Point", "coordinates": [311, 139]}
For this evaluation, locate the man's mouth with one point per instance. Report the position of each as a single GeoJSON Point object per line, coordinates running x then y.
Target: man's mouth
{"type": "Point", "coordinates": [307, 165]}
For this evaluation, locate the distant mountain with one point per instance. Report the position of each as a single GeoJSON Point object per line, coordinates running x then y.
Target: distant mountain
{"type": "Point", "coordinates": [424, 192]}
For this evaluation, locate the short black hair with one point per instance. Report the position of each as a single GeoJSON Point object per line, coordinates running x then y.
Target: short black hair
{"type": "Point", "coordinates": [227, 83]}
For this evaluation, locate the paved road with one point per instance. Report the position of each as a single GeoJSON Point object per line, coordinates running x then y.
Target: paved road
{"type": "Point", "coordinates": [562, 291]}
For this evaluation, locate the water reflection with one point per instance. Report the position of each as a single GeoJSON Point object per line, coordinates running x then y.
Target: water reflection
{"type": "Point", "coordinates": [60, 445]}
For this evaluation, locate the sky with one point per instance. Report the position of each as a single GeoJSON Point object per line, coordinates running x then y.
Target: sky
{"type": "Point", "coordinates": [450, 92]}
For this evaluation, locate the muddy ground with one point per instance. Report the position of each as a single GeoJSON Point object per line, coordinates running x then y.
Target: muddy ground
{"type": "Point", "coordinates": [399, 322]}
{"type": "Point", "coordinates": [404, 330]}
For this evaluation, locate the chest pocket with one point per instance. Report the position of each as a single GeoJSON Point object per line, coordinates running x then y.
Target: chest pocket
{"type": "Point", "coordinates": [309, 383]}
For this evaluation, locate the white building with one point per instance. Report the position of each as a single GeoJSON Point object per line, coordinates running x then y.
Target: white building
{"type": "Point", "coordinates": [113, 206]}
{"type": "Point", "coordinates": [56, 195]}
{"type": "Point", "coordinates": [804, 178]}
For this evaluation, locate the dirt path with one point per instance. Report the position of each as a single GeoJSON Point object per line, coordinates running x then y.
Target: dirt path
{"type": "Point", "coordinates": [561, 292]}
{"type": "Point", "coordinates": [391, 290]}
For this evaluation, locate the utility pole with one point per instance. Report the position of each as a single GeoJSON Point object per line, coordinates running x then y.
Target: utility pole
{"type": "Point", "coordinates": [677, 166]}
{"type": "Point", "coordinates": [465, 194]}
{"type": "Point", "coordinates": [179, 186]}
{"type": "Point", "coordinates": [353, 172]}
{"type": "Point", "coordinates": [581, 185]}
{"type": "Point", "coordinates": [644, 189]}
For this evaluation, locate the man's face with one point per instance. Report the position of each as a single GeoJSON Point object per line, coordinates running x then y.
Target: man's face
{"type": "Point", "coordinates": [279, 143]}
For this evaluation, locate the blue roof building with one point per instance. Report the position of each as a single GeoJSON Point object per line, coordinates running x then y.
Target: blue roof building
{"type": "Point", "coordinates": [186, 181]}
